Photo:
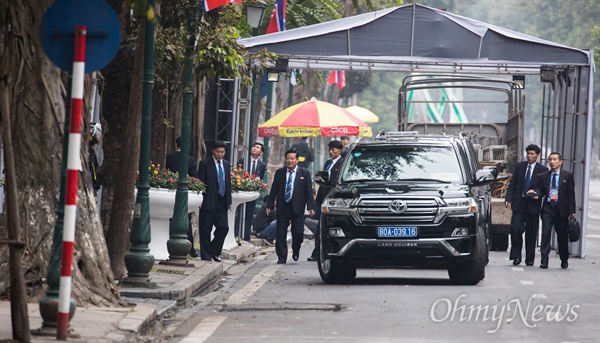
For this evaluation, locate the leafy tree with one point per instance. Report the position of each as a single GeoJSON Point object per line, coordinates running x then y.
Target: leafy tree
{"type": "Point", "coordinates": [37, 108]}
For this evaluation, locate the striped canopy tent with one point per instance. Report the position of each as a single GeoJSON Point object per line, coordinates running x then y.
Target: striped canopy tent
{"type": "Point", "coordinates": [314, 118]}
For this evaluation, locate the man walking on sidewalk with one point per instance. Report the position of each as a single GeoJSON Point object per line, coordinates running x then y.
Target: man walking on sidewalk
{"type": "Point", "coordinates": [292, 189]}
{"type": "Point", "coordinates": [525, 210]}
{"type": "Point", "coordinates": [556, 189]}
{"type": "Point", "coordinates": [214, 172]}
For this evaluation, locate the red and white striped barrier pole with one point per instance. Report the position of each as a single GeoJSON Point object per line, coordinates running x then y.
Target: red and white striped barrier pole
{"type": "Point", "coordinates": [73, 168]}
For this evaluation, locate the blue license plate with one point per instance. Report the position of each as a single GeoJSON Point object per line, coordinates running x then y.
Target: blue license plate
{"type": "Point", "coordinates": [395, 231]}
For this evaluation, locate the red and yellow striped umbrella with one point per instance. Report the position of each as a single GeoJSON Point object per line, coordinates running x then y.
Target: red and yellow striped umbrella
{"type": "Point", "coordinates": [313, 118]}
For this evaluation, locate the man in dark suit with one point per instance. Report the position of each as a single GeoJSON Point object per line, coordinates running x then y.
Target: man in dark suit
{"type": "Point", "coordinates": [333, 166]}
{"type": "Point", "coordinates": [525, 210]}
{"type": "Point", "coordinates": [173, 158]}
{"type": "Point", "coordinates": [255, 167]}
{"type": "Point", "coordinates": [214, 171]}
{"type": "Point", "coordinates": [172, 164]}
{"type": "Point", "coordinates": [556, 189]}
{"type": "Point", "coordinates": [292, 189]}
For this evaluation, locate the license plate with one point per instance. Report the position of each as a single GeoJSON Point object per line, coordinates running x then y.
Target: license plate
{"type": "Point", "coordinates": [402, 231]}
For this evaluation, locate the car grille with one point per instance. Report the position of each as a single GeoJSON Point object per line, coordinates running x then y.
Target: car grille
{"type": "Point", "coordinates": [418, 211]}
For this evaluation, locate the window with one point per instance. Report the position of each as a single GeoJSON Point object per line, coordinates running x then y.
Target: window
{"type": "Point", "coordinates": [397, 163]}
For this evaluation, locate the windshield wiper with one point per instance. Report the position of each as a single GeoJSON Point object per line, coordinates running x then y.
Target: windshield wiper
{"type": "Point", "coordinates": [424, 179]}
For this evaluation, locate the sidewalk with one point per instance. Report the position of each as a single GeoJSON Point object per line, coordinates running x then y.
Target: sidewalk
{"type": "Point", "coordinates": [176, 285]}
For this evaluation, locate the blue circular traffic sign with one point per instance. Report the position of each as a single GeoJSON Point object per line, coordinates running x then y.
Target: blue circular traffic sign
{"type": "Point", "coordinates": [58, 33]}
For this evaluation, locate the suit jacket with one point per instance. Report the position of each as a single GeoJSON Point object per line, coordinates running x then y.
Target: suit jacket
{"type": "Point", "coordinates": [517, 183]}
{"type": "Point", "coordinates": [172, 163]}
{"type": "Point", "coordinates": [207, 173]}
{"type": "Point", "coordinates": [302, 195]}
{"type": "Point", "coordinates": [333, 175]}
{"type": "Point", "coordinates": [261, 167]}
{"type": "Point", "coordinates": [566, 191]}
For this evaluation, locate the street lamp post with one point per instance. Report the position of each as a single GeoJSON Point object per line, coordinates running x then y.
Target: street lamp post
{"type": "Point", "coordinates": [139, 261]}
{"type": "Point", "coordinates": [255, 12]}
{"type": "Point", "coordinates": [254, 15]}
{"type": "Point", "coordinates": [178, 245]}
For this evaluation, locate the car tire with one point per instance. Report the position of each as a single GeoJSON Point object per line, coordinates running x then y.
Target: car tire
{"type": "Point", "coordinates": [334, 272]}
{"type": "Point", "coordinates": [472, 271]}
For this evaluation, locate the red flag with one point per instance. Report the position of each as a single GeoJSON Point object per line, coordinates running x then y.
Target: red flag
{"type": "Point", "coordinates": [208, 5]}
{"type": "Point", "coordinates": [337, 77]}
{"type": "Point", "coordinates": [277, 21]}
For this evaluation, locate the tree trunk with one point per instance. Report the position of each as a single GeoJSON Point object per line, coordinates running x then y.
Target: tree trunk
{"type": "Point", "coordinates": [122, 110]}
{"type": "Point", "coordinates": [37, 106]}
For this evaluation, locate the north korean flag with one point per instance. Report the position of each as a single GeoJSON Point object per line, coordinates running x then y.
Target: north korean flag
{"type": "Point", "coordinates": [337, 77]}
{"type": "Point", "coordinates": [277, 21]}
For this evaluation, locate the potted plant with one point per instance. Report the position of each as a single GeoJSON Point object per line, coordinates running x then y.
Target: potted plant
{"type": "Point", "coordinates": [244, 188]}
{"type": "Point", "coordinates": [163, 187]}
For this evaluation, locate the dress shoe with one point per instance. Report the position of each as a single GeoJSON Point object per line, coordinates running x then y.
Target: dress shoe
{"type": "Point", "coordinates": [544, 265]}
{"type": "Point", "coordinates": [216, 258]}
{"type": "Point", "coordinates": [280, 262]}
{"type": "Point", "coordinates": [529, 264]}
{"type": "Point", "coordinates": [295, 257]}
{"type": "Point", "coordinates": [516, 261]}
{"type": "Point", "coordinates": [311, 259]}
{"type": "Point", "coordinates": [564, 264]}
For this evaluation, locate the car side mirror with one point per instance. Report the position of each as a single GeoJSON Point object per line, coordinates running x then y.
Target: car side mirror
{"type": "Point", "coordinates": [493, 170]}
{"type": "Point", "coordinates": [485, 175]}
{"type": "Point", "coordinates": [322, 178]}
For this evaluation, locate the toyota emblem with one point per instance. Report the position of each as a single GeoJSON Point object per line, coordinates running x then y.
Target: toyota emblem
{"type": "Point", "coordinates": [397, 206]}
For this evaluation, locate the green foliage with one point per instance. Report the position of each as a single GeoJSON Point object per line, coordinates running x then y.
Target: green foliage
{"type": "Point", "coordinates": [219, 54]}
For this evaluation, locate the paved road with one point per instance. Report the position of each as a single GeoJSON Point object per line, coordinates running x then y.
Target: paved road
{"type": "Point", "coordinates": [261, 301]}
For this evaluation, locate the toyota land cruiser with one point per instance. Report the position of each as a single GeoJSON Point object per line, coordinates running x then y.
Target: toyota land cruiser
{"type": "Point", "coordinates": [405, 199]}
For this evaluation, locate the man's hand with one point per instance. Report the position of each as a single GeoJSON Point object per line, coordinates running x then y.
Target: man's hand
{"type": "Point", "coordinates": [267, 211]}
{"type": "Point", "coordinates": [311, 212]}
{"type": "Point", "coordinates": [507, 204]}
{"type": "Point", "coordinates": [532, 194]}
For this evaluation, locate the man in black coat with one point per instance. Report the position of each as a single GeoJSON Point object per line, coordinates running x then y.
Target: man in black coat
{"type": "Point", "coordinates": [255, 167]}
{"type": "Point", "coordinates": [173, 158]}
{"type": "Point", "coordinates": [556, 189]}
{"type": "Point", "coordinates": [526, 210]}
{"type": "Point", "coordinates": [214, 171]}
{"type": "Point", "coordinates": [292, 189]}
{"type": "Point", "coordinates": [333, 166]}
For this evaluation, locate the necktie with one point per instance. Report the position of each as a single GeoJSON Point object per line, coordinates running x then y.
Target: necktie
{"type": "Point", "coordinates": [221, 180]}
{"type": "Point", "coordinates": [288, 188]}
{"type": "Point", "coordinates": [253, 171]}
{"type": "Point", "coordinates": [527, 180]}
{"type": "Point", "coordinates": [553, 186]}
{"type": "Point", "coordinates": [330, 165]}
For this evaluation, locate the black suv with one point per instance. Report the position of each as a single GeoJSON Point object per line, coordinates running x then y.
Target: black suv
{"type": "Point", "coordinates": [405, 199]}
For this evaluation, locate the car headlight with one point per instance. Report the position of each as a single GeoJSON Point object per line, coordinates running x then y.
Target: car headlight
{"type": "Point", "coordinates": [335, 204]}
{"type": "Point", "coordinates": [461, 205]}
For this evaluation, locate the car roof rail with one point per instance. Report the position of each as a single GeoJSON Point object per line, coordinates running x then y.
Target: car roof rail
{"type": "Point", "coordinates": [384, 135]}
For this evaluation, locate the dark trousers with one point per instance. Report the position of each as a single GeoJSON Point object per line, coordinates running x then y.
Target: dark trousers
{"type": "Point", "coordinates": [285, 215]}
{"type": "Point", "coordinates": [551, 218]}
{"type": "Point", "coordinates": [521, 222]}
{"type": "Point", "coordinates": [208, 219]}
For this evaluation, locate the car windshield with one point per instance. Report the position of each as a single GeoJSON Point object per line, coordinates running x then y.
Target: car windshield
{"type": "Point", "coordinates": [397, 163]}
